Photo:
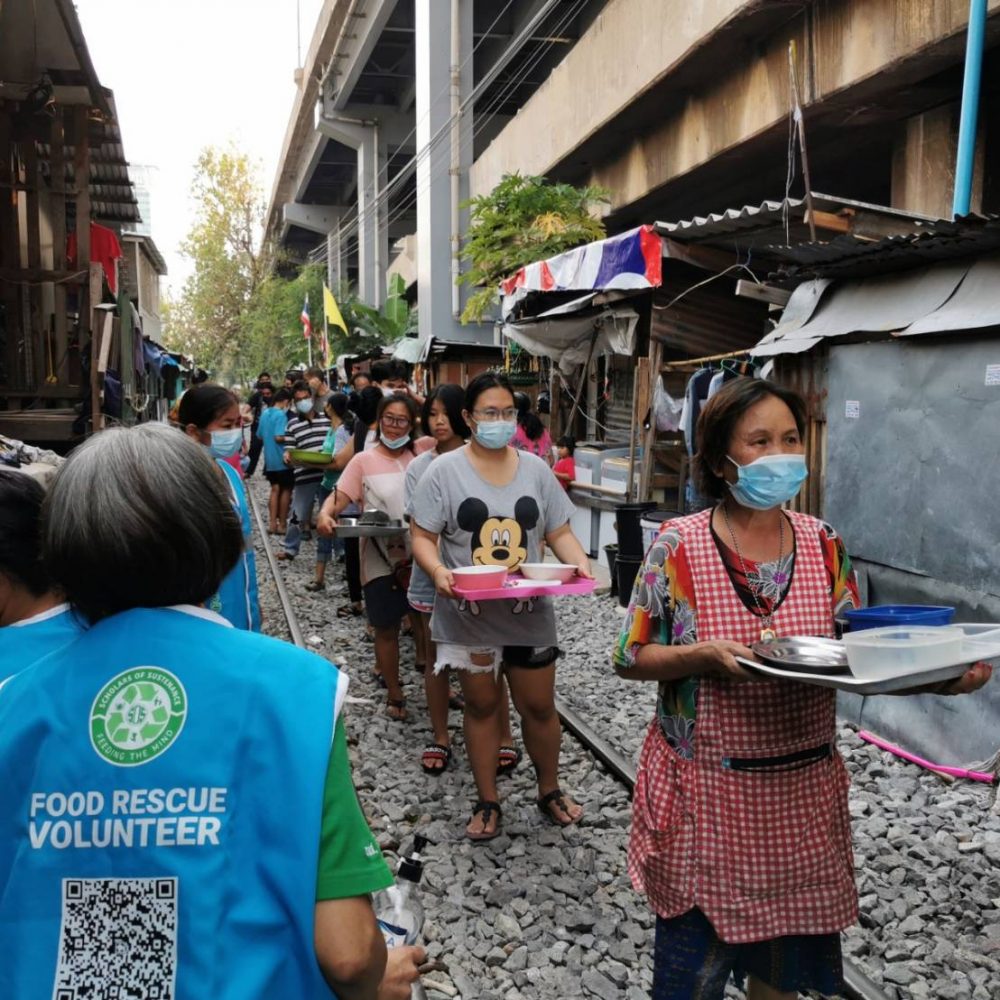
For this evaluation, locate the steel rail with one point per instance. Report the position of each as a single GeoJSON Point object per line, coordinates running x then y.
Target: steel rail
{"type": "Point", "coordinates": [279, 585]}
{"type": "Point", "coordinates": [857, 985]}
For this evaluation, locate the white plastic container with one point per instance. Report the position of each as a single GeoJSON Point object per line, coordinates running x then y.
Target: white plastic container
{"type": "Point", "coordinates": [900, 650]}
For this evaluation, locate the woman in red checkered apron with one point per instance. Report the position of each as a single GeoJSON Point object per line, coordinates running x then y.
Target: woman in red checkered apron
{"type": "Point", "coordinates": [740, 828]}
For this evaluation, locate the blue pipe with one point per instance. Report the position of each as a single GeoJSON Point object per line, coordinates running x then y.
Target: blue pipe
{"type": "Point", "coordinates": [965, 160]}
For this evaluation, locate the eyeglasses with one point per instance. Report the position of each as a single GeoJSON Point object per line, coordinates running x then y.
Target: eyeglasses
{"type": "Point", "coordinates": [396, 421]}
{"type": "Point", "coordinates": [490, 416]}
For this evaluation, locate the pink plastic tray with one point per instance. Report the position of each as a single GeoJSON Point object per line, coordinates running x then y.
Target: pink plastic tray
{"type": "Point", "coordinates": [517, 588]}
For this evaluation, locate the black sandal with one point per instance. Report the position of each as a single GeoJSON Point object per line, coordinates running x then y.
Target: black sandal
{"type": "Point", "coordinates": [487, 809]}
{"type": "Point", "coordinates": [399, 704]}
{"type": "Point", "coordinates": [556, 798]}
{"type": "Point", "coordinates": [349, 611]}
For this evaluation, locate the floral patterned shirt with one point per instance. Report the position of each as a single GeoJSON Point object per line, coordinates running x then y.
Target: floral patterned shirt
{"type": "Point", "coordinates": [662, 610]}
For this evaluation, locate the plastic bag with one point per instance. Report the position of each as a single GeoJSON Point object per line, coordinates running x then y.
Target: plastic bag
{"type": "Point", "coordinates": [666, 409]}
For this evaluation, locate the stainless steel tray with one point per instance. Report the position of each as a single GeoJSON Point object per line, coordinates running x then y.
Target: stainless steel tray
{"type": "Point", "coordinates": [805, 654]}
{"type": "Point", "coordinates": [349, 527]}
{"type": "Point", "coordinates": [848, 682]}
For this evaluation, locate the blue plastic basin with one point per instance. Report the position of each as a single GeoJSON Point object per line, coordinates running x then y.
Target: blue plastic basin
{"type": "Point", "coordinates": [898, 614]}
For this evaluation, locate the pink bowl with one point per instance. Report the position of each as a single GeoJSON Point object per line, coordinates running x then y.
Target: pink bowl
{"type": "Point", "coordinates": [480, 577]}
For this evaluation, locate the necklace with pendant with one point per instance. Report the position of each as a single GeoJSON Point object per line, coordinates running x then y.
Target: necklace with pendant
{"type": "Point", "coordinates": [767, 633]}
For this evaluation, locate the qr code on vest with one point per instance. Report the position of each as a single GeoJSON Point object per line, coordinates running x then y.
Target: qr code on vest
{"type": "Point", "coordinates": [118, 939]}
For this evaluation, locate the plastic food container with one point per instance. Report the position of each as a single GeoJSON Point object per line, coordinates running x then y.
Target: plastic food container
{"type": "Point", "coordinates": [480, 577]}
{"type": "Point", "coordinates": [899, 650]}
{"type": "Point", "coordinates": [898, 614]}
{"type": "Point", "coordinates": [311, 457]}
{"type": "Point", "coordinates": [548, 571]}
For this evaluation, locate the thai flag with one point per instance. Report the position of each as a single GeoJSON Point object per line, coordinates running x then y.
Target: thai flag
{"type": "Point", "coordinates": [307, 327]}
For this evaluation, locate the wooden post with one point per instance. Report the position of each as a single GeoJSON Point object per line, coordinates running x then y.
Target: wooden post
{"type": "Point", "coordinates": [633, 429]}
{"type": "Point", "coordinates": [652, 371]}
{"type": "Point", "coordinates": [556, 429]}
{"type": "Point", "coordinates": [9, 247]}
{"type": "Point", "coordinates": [96, 377]}
{"type": "Point", "coordinates": [58, 222]}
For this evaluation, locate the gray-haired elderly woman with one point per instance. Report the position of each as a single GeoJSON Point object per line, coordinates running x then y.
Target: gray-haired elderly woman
{"type": "Point", "coordinates": [173, 777]}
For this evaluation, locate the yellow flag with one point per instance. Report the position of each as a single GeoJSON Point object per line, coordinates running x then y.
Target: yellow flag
{"type": "Point", "coordinates": [332, 310]}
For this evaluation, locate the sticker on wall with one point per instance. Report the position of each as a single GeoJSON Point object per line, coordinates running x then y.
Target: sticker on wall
{"type": "Point", "coordinates": [993, 374]}
{"type": "Point", "coordinates": [852, 409]}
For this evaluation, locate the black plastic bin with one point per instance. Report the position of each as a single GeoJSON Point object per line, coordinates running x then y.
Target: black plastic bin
{"type": "Point", "coordinates": [626, 569]}
{"type": "Point", "coordinates": [628, 517]}
{"type": "Point", "coordinates": [611, 554]}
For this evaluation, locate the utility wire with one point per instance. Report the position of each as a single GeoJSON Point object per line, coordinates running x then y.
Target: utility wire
{"type": "Point", "coordinates": [496, 102]}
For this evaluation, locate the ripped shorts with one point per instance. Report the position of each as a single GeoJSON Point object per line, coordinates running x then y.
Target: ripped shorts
{"type": "Point", "coordinates": [483, 659]}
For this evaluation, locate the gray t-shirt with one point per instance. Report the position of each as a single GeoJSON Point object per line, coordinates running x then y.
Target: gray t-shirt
{"type": "Point", "coordinates": [482, 524]}
{"type": "Point", "coordinates": [421, 590]}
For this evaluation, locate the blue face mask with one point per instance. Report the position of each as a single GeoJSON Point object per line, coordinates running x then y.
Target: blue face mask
{"type": "Point", "coordinates": [769, 481]}
{"type": "Point", "coordinates": [225, 444]}
{"type": "Point", "coordinates": [304, 406]}
{"type": "Point", "coordinates": [396, 443]}
{"type": "Point", "coordinates": [496, 433]}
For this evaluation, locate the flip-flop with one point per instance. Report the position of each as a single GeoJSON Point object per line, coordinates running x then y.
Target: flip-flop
{"type": "Point", "coordinates": [379, 679]}
{"type": "Point", "coordinates": [558, 798]}
{"type": "Point", "coordinates": [507, 759]}
{"type": "Point", "coordinates": [349, 611]}
{"type": "Point", "coordinates": [487, 809]}
{"type": "Point", "coordinates": [316, 586]}
{"type": "Point", "coordinates": [398, 705]}
{"type": "Point", "coordinates": [434, 753]}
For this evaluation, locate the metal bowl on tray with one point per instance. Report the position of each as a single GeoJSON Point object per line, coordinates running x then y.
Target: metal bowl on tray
{"type": "Point", "coordinates": [804, 653]}
{"type": "Point", "coordinates": [357, 527]}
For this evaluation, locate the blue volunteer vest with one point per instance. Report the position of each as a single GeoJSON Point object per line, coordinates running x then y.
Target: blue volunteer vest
{"type": "Point", "coordinates": [161, 795]}
{"type": "Point", "coordinates": [23, 644]}
{"type": "Point", "coordinates": [236, 599]}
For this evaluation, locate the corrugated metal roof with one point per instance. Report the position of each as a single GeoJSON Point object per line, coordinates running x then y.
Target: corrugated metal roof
{"type": "Point", "coordinates": [849, 257]}
{"type": "Point", "coordinates": [732, 220]}
{"type": "Point", "coordinates": [784, 221]}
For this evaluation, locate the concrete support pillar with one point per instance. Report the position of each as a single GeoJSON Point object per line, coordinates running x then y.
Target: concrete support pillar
{"type": "Point", "coordinates": [923, 163]}
{"type": "Point", "coordinates": [336, 265]}
{"type": "Point", "coordinates": [434, 189]}
{"type": "Point", "coordinates": [371, 234]}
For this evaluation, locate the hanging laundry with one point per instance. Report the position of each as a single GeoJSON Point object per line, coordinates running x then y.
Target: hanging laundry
{"type": "Point", "coordinates": [104, 250]}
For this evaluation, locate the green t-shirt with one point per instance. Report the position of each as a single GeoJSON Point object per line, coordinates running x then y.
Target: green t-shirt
{"type": "Point", "coordinates": [350, 862]}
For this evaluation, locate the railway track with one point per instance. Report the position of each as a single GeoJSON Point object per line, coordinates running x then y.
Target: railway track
{"type": "Point", "coordinates": [858, 986]}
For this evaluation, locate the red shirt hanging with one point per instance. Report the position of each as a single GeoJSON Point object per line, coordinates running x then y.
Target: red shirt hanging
{"type": "Point", "coordinates": [104, 250]}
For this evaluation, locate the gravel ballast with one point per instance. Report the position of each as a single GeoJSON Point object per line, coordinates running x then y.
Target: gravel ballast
{"type": "Point", "coordinates": [543, 912]}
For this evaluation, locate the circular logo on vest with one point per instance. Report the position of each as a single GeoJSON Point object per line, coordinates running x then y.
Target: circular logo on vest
{"type": "Point", "coordinates": [137, 715]}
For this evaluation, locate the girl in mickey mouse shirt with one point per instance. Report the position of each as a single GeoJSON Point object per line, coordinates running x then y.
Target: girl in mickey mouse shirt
{"type": "Point", "coordinates": [488, 504]}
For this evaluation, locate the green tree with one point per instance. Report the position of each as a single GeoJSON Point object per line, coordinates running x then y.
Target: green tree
{"type": "Point", "coordinates": [523, 219]}
{"type": "Point", "coordinates": [230, 263]}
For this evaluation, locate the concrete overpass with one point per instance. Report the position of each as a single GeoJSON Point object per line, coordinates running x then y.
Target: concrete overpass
{"type": "Point", "coordinates": [679, 108]}
{"type": "Point", "coordinates": [396, 100]}
{"type": "Point", "coordinates": [688, 108]}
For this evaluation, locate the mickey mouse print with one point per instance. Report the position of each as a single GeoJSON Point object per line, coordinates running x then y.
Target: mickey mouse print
{"type": "Point", "coordinates": [499, 541]}
{"type": "Point", "coordinates": [481, 524]}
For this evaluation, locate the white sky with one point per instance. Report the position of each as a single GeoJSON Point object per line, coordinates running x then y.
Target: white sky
{"type": "Point", "coordinates": [192, 73]}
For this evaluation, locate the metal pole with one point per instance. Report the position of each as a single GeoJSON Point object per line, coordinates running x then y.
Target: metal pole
{"type": "Point", "coordinates": [965, 160]}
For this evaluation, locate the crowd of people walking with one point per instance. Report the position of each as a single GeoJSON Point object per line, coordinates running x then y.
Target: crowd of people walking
{"type": "Point", "coordinates": [148, 732]}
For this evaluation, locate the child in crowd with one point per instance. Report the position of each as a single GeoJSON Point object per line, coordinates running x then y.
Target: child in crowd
{"type": "Point", "coordinates": [271, 433]}
{"type": "Point", "coordinates": [565, 467]}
